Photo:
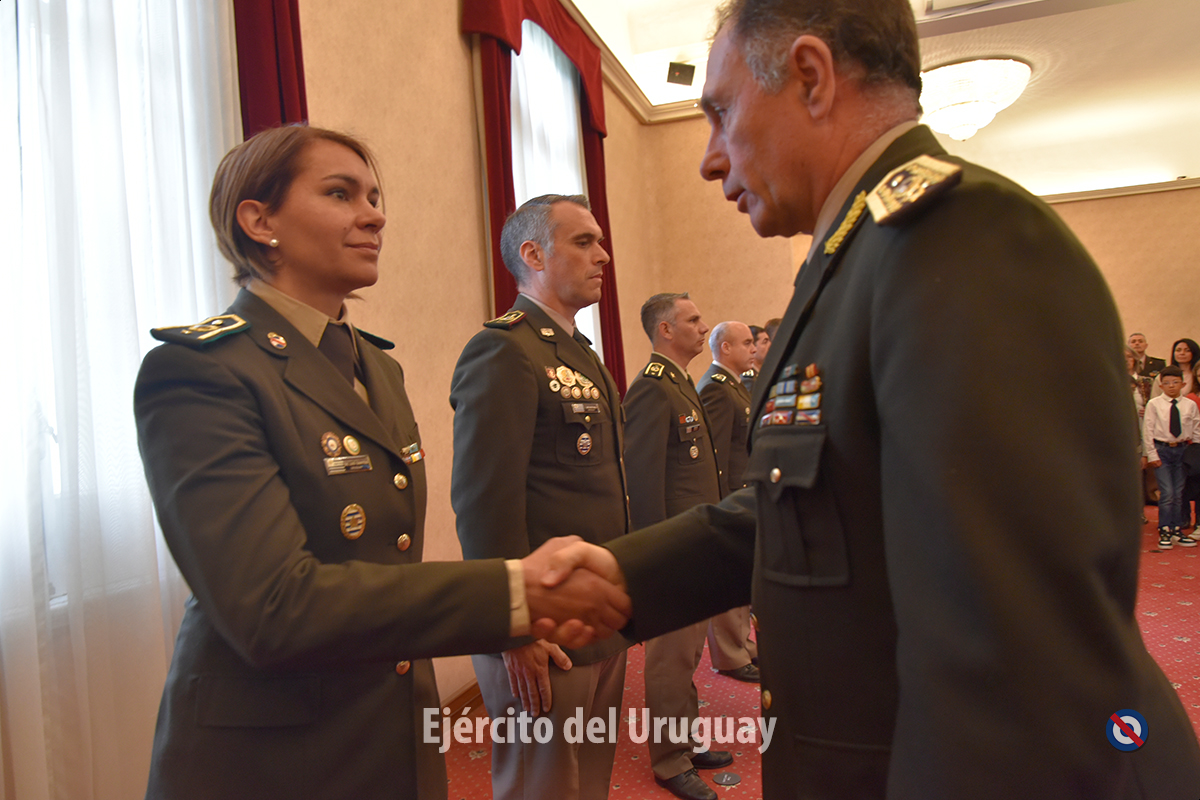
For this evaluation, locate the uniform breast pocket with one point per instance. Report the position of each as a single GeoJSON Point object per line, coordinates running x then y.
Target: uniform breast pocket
{"type": "Point", "coordinates": [801, 541]}
{"type": "Point", "coordinates": [692, 442]}
{"type": "Point", "coordinates": [581, 439]}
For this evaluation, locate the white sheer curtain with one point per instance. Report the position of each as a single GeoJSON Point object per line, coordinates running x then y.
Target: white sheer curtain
{"type": "Point", "coordinates": [113, 116]}
{"type": "Point", "coordinates": [547, 138]}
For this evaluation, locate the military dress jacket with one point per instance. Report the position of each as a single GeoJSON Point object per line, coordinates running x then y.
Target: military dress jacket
{"type": "Point", "coordinates": [296, 514]}
{"type": "Point", "coordinates": [537, 444]}
{"type": "Point", "coordinates": [668, 450]}
{"type": "Point", "coordinates": [727, 403]}
{"type": "Point", "coordinates": [944, 591]}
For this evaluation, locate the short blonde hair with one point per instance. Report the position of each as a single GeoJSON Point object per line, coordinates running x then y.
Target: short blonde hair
{"type": "Point", "coordinates": [262, 168]}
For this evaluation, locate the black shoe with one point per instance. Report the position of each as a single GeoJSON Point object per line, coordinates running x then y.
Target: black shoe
{"type": "Point", "coordinates": [687, 785]}
{"type": "Point", "coordinates": [712, 759]}
{"type": "Point", "coordinates": [746, 674]}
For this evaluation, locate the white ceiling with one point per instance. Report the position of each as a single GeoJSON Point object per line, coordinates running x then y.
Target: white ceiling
{"type": "Point", "coordinates": [1114, 100]}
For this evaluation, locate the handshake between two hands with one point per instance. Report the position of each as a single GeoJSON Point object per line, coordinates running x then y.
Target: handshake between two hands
{"type": "Point", "coordinates": [575, 591]}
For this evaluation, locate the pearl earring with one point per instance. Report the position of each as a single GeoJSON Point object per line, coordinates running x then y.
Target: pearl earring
{"type": "Point", "coordinates": [273, 243]}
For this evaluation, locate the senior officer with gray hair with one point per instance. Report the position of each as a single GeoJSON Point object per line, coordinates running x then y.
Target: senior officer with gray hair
{"type": "Point", "coordinates": [537, 453]}
{"type": "Point", "coordinates": [671, 466]}
{"type": "Point", "coordinates": [945, 593]}
{"type": "Point", "coordinates": [727, 402]}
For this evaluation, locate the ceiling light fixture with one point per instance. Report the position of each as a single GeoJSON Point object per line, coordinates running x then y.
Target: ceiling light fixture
{"type": "Point", "coordinates": [961, 98]}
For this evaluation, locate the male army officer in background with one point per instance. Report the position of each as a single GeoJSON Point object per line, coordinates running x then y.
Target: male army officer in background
{"type": "Point", "coordinates": [1147, 366]}
{"type": "Point", "coordinates": [671, 466]}
{"type": "Point", "coordinates": [537, 453]}
{"type": "Point", "coordinates": [727, 403]}
{"type": "Point", "coordinates": [945, 592]}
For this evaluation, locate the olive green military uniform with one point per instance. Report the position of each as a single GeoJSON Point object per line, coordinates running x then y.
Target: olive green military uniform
{"type": "Point", "coordinates": [945, 589]}
{"type": "Point", "coordinates": [671, 467]}
{"type": "Point", "coordinates": [296, 511]}
{"type": "Point", "coordinates": [537, 454]}
{"type": "Point", "coordinates": [727, 403]}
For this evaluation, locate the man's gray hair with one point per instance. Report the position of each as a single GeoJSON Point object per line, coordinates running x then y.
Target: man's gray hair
{"type": "Point", "coordinates": [720, 333]}
{"type": "Point", "coordinates": [531, 223]}
{"type": "Point", "coordinates": [876, 37]}
{"type": "Point", "coordinates": [660, 308]}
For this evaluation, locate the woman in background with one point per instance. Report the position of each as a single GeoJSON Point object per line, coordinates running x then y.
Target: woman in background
{"type": "Point", "coordinates": [1185, 354]}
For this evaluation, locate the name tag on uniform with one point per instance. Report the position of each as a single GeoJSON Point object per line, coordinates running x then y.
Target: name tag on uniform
{"type": "Point", "coordinates": [344, 464]}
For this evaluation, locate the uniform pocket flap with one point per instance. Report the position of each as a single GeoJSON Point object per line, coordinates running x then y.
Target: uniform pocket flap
{"type": "Point", "coordinates": [786, 456]}
{"type": "Point", "coordinates": [585, 414]}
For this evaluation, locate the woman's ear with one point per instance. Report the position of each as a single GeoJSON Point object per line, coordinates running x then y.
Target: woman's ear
{"type": "Point", "coordinates": [254, 220]}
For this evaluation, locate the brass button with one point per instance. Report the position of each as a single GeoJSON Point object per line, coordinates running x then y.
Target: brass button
{"type": "Point", "coordinates": [404, 542]}
{"type": "Point", "coordinates": [766, 696]}
{"type": "Point", "coordinates": [403, 667]}
{"type": "Point", "coordinates": [754, 620]}
{"type": "Point", "coordinates": [400, 480]}
{"type": "Point", "coordinates": [587, 418]}
{"type": "Point", "coordinates": [776, 475]}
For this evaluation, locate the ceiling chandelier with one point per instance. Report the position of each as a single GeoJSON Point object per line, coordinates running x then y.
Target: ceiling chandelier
{"type": "Point", "coordinates": [961, 98]}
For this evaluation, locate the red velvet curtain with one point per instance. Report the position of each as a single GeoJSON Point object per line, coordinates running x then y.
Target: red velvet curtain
{"type": "Point", "coordinates": [499, 24]}
{"type": "Point", "coordinates": [270, 64]}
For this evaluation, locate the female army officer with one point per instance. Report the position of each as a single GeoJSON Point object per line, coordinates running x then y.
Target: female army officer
{"type": "Point", "coordinates": [288, 476]}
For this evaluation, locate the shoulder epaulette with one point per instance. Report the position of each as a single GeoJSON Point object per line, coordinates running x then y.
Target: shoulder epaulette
{"type": "Point", "coordinates": [654, 370]}
{"type": "Point", "coordinates": [507, 322]}
{"type": "Point", "coordinates": [720, 377]}
{"type": "Point", "coordinates": [202, 334]}
{"type": "Point", "coordinates": [910, 187]}
{"type": "Point", "coordinates": [378, 341]}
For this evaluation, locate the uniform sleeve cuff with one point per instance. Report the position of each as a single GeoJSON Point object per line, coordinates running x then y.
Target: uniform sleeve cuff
{"type": "Point", "coordinates": [518, 618]}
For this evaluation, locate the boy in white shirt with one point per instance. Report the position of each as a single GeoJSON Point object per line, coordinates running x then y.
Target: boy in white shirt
{"type": "Point", "coordinates": [1171, 423]}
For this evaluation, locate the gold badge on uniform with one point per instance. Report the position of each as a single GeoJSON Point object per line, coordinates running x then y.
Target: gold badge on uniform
{"type": "Point", "coordinates": [547, 331]}
{"type": "Point", "coordinates": [330, 444]}
{"type": "Point", "coordinates": [584, 444]}
{"type": "Point", "coordinates": [354, 521]}
{"type": "Point", "coordinates": [576, 392]}
{"type": "Point", "coordinates": [694, 452]}
{"type": "Point", "coordinates": [550, 373]}
{"type": "Point", "coordinates": [565, 376]}
{"type": "Point", "coordinates": [565, 392]}
{"type": "Point", "coordinates": [554, 386]}
{"type": "Point", "coordinates": [351, 445]}
{"type": "Point", "coordinates": [277, 341]}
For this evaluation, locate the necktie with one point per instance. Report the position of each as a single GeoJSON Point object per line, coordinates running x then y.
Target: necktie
{"type": "Point", "coordinates": [338, 347]}
{"type": "Point", "coordinates": [1176, 425]}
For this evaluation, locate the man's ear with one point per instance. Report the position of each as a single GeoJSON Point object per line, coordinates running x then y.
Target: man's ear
{"type": "Point", "coordinates": [664, 331]}
{"type": "Point", "coordinates": [255, 221]}
{"type": "Point", "coordinates": [531, 254]}
{"type": "Point", "coordinates": [811, 67]}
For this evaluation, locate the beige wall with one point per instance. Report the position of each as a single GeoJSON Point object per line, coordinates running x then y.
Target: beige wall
{"type": "Point", "coordinates": [1148, 247]}
{"type": "Point", "coordinates": [674, 232]}
{"type": "Point", "coordinates": [400, 75]}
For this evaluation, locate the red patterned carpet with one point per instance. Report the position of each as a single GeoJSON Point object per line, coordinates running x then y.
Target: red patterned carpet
{"type": "Point", "coordinates": [1168, 611]}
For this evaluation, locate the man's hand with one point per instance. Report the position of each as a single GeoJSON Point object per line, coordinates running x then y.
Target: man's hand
{"type": "Point", "coordinates": [529, 673]}
{"type": "Point", "coordinates": [575, 592]}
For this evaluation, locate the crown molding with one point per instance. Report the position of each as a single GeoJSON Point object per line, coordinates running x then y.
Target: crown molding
{"type": "Point", "coordinates": [1122, 191]}
{"type": "Point", "coordinates": [621, 82]}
